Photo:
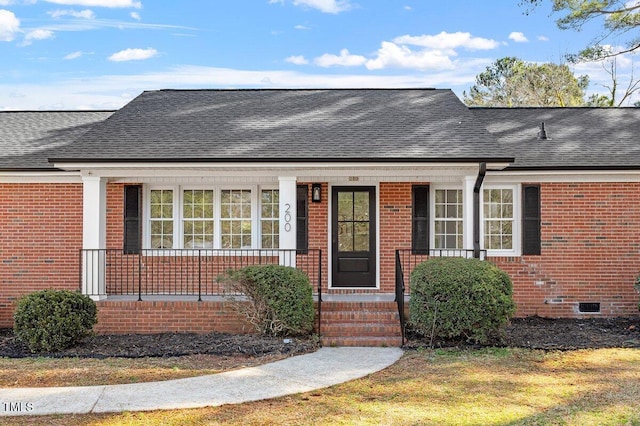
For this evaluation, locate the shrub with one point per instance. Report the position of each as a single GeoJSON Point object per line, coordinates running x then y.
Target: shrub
{"type": "Point", "coordinates": [51, 320]}
{"type": "Point", "coordinates": [456, 298]}
{"type": "Point", "coordinates": [280, 299]}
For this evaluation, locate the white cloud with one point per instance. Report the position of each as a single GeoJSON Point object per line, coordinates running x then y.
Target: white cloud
{"type": "Point", "coordinates": [408, 8]}
{"type": "Point", "coordinates": [518, 37]}
{"type": "Point", "coordinates": [73, 55]}
{"type": "Point", "coordinates": [446, 40]}
{"type": "Point", "coordinates": [100, 3]}
{"type": "Point", "coordinates": [326, 6]}
{"type": "Point", "coordinates": [135, 15]}
{"type": "Point", "coordinates": [84, 14]}
{"type": "Point", "coordinates": [345, 60]}
{"type": "Point", "coordinates": [133, 55]}
{"type": "Point", "coordinates": [106, 91]}
{"type": "Point", "coordinates": [297, 60]}
{"type": "Point", "coordinates": [38, 34]}
{"type": "Point", "coordinates": [301, 27]}
{"type": "Point", "coordinates": [9, 25]}
{"type": "Point", "coordinates": [543, 38]}
{"type": "Point", "coordinates": [6, 2]}
{"type": "Point", "coordinates": [391, 55]}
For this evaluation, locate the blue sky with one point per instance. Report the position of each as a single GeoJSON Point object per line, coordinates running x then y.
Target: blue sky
{"type": "Point", "coordinates": [88, 54]}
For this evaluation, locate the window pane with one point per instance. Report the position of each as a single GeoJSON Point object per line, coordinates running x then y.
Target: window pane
{"type": "Point", "coordinates": [161, 218]}
{"type": "Point", "coordinates": [345, 236]}
{"type": "Point", "coordinates": [198, 224]}
{"type": "Point", "coordinates": [361, 237]}
{"type": "Point", "coordinates": [361, 206]}
{"type": "Point", "coordinates": [448, 218]}
{"type": "Point", "coordinates": [498, 218]}
{"type": "Point", "coordinates": [345, 206]}
{"type": "Point", "coordinates": [235, 222]}
{"type": "Point", "coordinates": [270, 224]}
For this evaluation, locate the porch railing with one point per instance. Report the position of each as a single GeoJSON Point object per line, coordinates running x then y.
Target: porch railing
{"type": "Point", "coordinates": [183, 272]}
{"type": "Point", "coordinates": [406, 261]}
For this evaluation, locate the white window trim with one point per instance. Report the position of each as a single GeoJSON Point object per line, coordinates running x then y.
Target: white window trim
{"type": "Point", "coordinates": [256, 237]}
{"type": "Point", "coordinates": [517, 220]}
{"type": "Point", "coordinates": [432, 217]}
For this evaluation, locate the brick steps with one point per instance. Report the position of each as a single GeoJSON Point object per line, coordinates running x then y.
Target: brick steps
{"type": "Point", "coordinates": [360, 324]}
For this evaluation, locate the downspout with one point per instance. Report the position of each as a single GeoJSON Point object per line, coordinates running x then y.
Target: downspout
{"type": "Point", "coordinates": [476, 209]}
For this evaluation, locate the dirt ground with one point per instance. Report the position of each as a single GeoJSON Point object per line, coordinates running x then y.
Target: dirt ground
{"type": "Point", "coordinates": [532, 332]}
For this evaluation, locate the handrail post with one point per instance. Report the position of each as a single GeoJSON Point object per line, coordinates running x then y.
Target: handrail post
{"type": "Point", "coordinates": [319, 290]}
{"type": "Point", "coordinates": [400, 290]}
{"type": "Point", "coordinates": [80, 268]}
{"type": "Point", "coordinates": [139, 276]}
{"type": "Point", "coordinates": [200, 275]}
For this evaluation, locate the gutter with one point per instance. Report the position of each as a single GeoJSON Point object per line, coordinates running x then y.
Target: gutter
{"type": "Point", "coordinates": [476, 209]}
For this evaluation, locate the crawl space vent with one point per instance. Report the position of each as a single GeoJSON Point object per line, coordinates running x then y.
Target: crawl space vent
{"type": "Point", "coordinates": [589, 307]}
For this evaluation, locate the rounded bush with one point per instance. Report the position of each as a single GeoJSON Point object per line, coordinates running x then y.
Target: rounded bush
{"type": "Point", "coordinates": [52, 320]}
{"type": "Point", "coordinates": [456, 298]}
{"type": "Point", "coordinates": [280, 299]}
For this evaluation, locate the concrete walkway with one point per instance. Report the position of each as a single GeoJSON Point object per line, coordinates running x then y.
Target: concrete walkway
{"type": "Point", "coordinates": [303, 373]}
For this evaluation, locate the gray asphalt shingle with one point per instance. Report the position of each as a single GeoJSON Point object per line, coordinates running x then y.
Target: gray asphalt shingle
{"type": "Point", "coordinates": [27, 138]}
{"type": "Point", "coordinates": [289, 125]}
{"type": "Point", "coordinates": [579, 138]}
{"type": "Point", "coordinates": [321, 125]}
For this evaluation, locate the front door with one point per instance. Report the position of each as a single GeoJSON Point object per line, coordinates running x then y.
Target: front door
{"type": "Point", "coordinates": [353, 236]}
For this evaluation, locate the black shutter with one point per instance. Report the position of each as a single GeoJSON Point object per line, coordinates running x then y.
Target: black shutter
{"type": "Point", "coordinates": [531, 219]}
{"type": "Point", "coordinates": [302, 218]}
{"type": "Point", "coordinates": [132, 216]}
{"type": "Point", "coordinates": [420, 220]}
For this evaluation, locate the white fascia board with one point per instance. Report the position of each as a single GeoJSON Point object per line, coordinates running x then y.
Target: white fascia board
{"type": "Point", "coordinates": [563, 176]}
{"type": "Point", "coordinates": [277, 169]}
{"type": "Point", "coordinates": [40, 177]}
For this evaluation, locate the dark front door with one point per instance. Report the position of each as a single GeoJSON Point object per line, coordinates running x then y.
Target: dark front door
{"type": "Point", "coordinates": [353, 236]}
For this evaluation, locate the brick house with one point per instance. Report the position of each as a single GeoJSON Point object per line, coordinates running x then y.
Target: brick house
{"type": "Point", "coordinates": [143, 208]}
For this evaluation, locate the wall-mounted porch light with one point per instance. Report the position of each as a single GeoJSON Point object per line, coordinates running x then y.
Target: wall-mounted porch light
{"type": "Point", "coordinates": [316, 192]}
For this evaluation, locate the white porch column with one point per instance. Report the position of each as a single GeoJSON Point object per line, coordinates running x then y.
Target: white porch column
{"type": "Point", "coordinates": [469, 183]}
{"type": "Point", "coordinates": [287, 188]}
{"type": "Point", "coordinates": [94, 220]}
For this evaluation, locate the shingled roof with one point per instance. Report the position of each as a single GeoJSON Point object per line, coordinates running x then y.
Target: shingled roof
{"type": "Point", "coordinates": [27, 138]}
{"type": "Point", "coordinates": [289, 125]}
{"type": "Point", "coordinates": [577, 138]}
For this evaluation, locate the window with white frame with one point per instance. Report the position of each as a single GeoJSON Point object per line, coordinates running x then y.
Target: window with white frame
{"type": "Point", "coordinates": [197, 218]}
{"type": "Point", "coordinates": [269, 214]}
{"type": "Point", "coordinates": [161, 218]}
{"type": "Point", "coordinates": [498, 218]}
{"type": "Point", "coordinates": [448, 219]}
{"type": "Point", "coordinates": [501, 219]}
{"type": "Point", "coordinates": [192, 218]}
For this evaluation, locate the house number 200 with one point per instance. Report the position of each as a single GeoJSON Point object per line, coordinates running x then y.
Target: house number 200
{"type": "Point", "coordinates": [287, 217]}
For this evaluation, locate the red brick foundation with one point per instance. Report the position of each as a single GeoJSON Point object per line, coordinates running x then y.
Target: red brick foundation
{"type": "Point", "coordinates": [122, 317]}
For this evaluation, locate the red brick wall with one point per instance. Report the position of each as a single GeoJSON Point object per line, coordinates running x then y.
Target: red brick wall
{"type": "Point", "coordinates": [394, 228]}
{"type": "Point", "coordinates": [115, 215]}
{"type": "Point", "coordinates": [40, 236]}
{"type": "Point", "coordinates": [319, 230]}
{"type": "Point", "coordinates": [590, 252]}
{"type": "Point", "coordinates": [122, 317]}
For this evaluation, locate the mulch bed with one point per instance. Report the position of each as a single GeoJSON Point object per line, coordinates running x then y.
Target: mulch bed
{"type": "Point", "coordinates": [558, 334]}
{"type": "Point", "coordinates": [532, 333]}
{"type": "Point", "coordinates": [166, 345]}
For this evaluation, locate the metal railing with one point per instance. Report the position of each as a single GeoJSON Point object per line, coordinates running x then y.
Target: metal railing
{"type": "Point", "coordinates": [400, 291]}
{"type": "Point", "coordinates": [185, 272]}
{"type": "Point", "coordinates": [406, 261]}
